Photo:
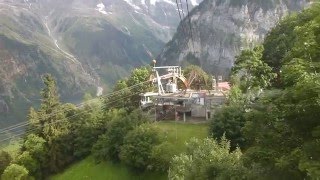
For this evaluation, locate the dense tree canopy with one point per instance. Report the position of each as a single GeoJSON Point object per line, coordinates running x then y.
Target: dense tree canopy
{"type": "Point", "coordinates": [120, 124]}
{"type": "Point", "coordinates": [251, 70]}
{"type": "Point", "coordinates": [229, 121]}
{"type": "Point", "coordinates": [281, 124]}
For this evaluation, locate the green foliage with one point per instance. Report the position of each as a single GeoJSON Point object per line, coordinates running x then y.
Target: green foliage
{"type": "Point", "coordinates": [301, 105]}
{"type": "Point", "coordinates": [34, 120]}
{"type": "Point", "coordinates": [279, 129]}
{"type": "Point", "coordinates": [108, 145]}
{"type": "Point", "coordinates": [48, 150]}
{"type": "Point", "coordinates": [161, 156]}
{"type": "Point", "coordinates": [27, 161]}
{"type": "Point", "coordinates": [251, 70]}
{"type": "Point", "coordinates": [281, 126]}
{"type": "Point", "coordinates": [296, 38]}
{"type": "Point", "coordinates": [51, 124]}
{"type": "Point", "coordinates": [49, 94]}
{"type": "Point", "coordinates": [207, 159]}
{"type": "Point", "coordinates": [229, 121]}
{"type": "Point", "coordinates": [309, 161]}
{"type": "Point", "coordinates": [293, 71]}
{"type": "Point", "coordinates": [235, 96]}
{"type": "Point", "coordinates": [129, 99]}
{"type": "Point", "coordinates": [139, 77]}
{"type": "Point", "coordinates": [264, 128]}
{"type": "Point", "coordinates": [137, 148]}
{"type": "Point", "coordinates": [290, 120]}
{"type": "Point", "coordinates": [120, 98]}
{"type": "Point", "coordinates": [176, 135]}
{"type": "Point", "coordinates": [279, 41]}
{"type": "Point", "coordinates": [37, 148]}
{"type": "Point", "coordinates": [198, 78]}
{"type": "Point", "coordinates": [87, 123]}
{"type": "Point", "coordinates": [53, 119]}
{"type": "Point", "coordinates": [5, 160]}
{"type": "Point", "coordinates": [15, 172]}
{"type": "Point", "coordinates": [89, 169]}
{"type": "Point", "coordinates": [34, 156]}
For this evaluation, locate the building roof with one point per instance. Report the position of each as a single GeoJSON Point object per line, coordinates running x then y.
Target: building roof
{"type": "Point", "coordinates": [225, 86]}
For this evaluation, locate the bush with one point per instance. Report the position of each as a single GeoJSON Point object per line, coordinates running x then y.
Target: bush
{"type": "Point", "coordinates": [161, 156]}
{"type": "Point", "coordinates": [229, 121]}
{"type": "Point", "coordinates": [207, 159]}
{"type": "Point", "coordinates": [137, 148]}
{"type": "Point", "coordinates": [15, 172]}
{"type": "Point", "coordinates": [26, 160]}
{"type": "Point", "coordinates": [5, 160]}
{"type": "Point", "coordinates": [108, 145]}
{"type": "Point", "coordinates": [37, 147]}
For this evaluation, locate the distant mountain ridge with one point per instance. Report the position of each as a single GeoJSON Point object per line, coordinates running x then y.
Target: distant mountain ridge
{"type": "Point", "coordinates": [221, 28]}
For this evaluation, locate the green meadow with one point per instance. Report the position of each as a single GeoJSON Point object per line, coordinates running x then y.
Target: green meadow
{"type": "Point", "coordinates": [176, 133]}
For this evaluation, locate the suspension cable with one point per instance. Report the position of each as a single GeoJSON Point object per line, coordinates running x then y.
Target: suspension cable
{"type": "Point", "coordinates": [190, 25]}
{"type": "Point", "coordinates": [23, 124]}
{"type": "Point", "coordinates": [58, 121]}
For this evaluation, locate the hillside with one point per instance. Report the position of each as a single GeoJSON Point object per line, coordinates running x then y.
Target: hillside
{"type": "Point", "coordinates": [221, 28]}
{"type": "Point", "coordinates": [85, 45]}
{"type": "Point", "coordinates": [176, 133]}
{"type": "Point", "coordinates": [267, 128]}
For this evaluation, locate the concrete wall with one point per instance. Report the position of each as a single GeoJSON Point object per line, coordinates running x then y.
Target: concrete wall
{"type": "Point", "coordinates": [198, 111]}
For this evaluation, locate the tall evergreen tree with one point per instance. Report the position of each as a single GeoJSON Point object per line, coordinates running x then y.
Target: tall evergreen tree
{"type": "Point", "coordinates": [50, 123]}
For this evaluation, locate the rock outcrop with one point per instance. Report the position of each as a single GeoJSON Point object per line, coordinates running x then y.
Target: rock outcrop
{"type": "Point", "coordinates": [221, 28]}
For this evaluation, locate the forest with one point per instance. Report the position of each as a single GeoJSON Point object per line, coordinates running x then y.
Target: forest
{"type": "Point", "coordinates": [269, 127]}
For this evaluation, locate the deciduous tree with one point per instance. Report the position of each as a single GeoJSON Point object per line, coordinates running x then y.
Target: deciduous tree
{"type": "Point", "coordinates": [15, 172]}
{"type": "Point", "coordinates": [137, 147]}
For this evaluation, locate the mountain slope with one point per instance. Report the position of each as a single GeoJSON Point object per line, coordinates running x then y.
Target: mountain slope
{"type": "Point", "coordinates": [86, 44]}
{"type": "Point", "coordinates": [221, 28]}
{"type": "Point", "coordinates": [26, 53]}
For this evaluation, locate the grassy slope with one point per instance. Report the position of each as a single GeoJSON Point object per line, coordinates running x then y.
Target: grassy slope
{"type": "Point", "coordinates": [88, 169]}
{"type": "Point", "coordinates": [176, 133]}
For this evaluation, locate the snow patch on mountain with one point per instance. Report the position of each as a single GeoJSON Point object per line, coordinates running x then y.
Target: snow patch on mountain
{"type": "Point", "coordinates": [132, 4]}
{"type": "Point", "coordinates": [101, 8]}
{"type": "Point", "coordinates": [194, 2]}
{"type": "Point", "coordinates": [153, 2]}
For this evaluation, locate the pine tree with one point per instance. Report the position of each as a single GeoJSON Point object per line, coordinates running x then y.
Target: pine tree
{"type": "Point", "coordinates": [50, 123]}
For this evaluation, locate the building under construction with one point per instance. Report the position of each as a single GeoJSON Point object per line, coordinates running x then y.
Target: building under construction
{"type": "Point", "coordinates": [169, 102]}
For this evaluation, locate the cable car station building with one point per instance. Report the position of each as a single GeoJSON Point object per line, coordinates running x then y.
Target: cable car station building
{"type": "Point", "coordinates": [171, 103]}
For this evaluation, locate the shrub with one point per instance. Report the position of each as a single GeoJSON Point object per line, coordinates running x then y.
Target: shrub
{"type": "Point", "coordinates": [5, 160]}
{"type": "Point", "coordinates": [137, 148]}
{"type": "Point", "coordinates": [207, 159]}
{"type": "Point", "coordinates": [161, 156]}
{"type": "Point", "coordinates": [15, 172]}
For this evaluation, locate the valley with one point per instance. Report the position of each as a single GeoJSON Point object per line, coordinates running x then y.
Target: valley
{"type": "Point", "coordinates": [146, 89]}
{"type": "Point", "coordinates": [86, 45]}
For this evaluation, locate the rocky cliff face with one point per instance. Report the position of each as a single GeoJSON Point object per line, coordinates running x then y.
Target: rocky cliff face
{"type": "Point", "coordinates": [86, 44]}
{"type": "Point", "coordinates": [221, 28]}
